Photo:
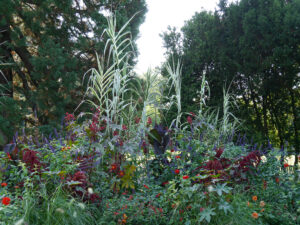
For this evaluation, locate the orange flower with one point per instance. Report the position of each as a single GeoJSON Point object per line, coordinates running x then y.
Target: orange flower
{"type": "Point", "coordinates": [248, 204]}
{"type": "Point", "coordinates": [254, 198]}
{"type": "Point", "coordinates": [173, 206]}
{"type": "Point", "coordinates": [262, 204]}
{"type": "Point", "coordinates": [255, 215]}
{"type": "Point", "coordinates": [3, 184]}
{"type": "Point", "coordinates": [262, 210]}
{"type": "Point", "coordinates": [277, 180]}
{"type": "Point", "coordinates": [177, 156]}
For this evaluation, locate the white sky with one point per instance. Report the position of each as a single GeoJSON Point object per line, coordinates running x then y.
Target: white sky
{"type": "Point", "coordinates": [162, 13]}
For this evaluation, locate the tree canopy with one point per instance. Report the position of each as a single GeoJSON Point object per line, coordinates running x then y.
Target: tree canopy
{"type": "Point", "coordinates": [48, 46]}
{"type": "Point", "coordinates": [255, 46]}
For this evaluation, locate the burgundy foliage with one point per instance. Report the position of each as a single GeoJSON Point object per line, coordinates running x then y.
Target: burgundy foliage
{"type": "Point", "coordinates": [32, 160]}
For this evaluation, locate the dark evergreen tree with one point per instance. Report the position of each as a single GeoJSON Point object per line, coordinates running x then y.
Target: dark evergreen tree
{"type": "Point", "coordinates": [50, 45]}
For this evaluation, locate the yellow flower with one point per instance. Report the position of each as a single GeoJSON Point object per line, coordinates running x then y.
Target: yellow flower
{"type": "Point", "coordinates": [255, 215]}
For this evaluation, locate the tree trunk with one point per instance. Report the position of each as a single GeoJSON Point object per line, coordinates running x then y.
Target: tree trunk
{"type": "Point", "coordinates": [296, 124]}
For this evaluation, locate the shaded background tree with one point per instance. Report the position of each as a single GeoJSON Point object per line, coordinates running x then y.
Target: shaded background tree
{"type": "Point", "coordinates": [50, 45]}
{"type": "Point", "coordinates": [255, 45]}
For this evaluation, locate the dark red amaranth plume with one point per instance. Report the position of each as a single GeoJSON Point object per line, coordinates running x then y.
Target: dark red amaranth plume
{"type": "Point", "coordinates": [81, 190]}
{"type": "Point", "coordinates": [31, 160]}
{"type": "Point", "coordinates": [218, 165]}
{"type": "Point", "coordinates": [253, 159]}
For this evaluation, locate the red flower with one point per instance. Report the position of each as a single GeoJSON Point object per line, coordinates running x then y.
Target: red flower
{"type": "Point", "coordinates": [4, 184]}
{"type": "Point", "coordinates": [189, 119]}
{"type": "Point", "coordinates": [8, 156]}
{"type": "Point", "coordinates": [121, 142]}
{"type": "Point", "coordinates": [277, 180]}
{"type": "Point", "coordinates": [286, 165]}
{"type": "Point", "coordinates": [149, 121]}
{"type": "Point", "coordinates": [185, 177]}
{"type": "Point", "coordinates": [121, 173]}
{"type": "Point", "coordinates": [159, 194]}
{"type": "Point", "coordinates": [5, 201]}
{"type": "Point", "coordinates": [146, 186]}
{"type": "Point", "coordinates": [115, 133]}
{"type": "Point", "coordinates": [137, 120]}
{"type": "Point", "coordinates": [113, 167]}
{"type": "Point", "coordinates": [124, 127]}
{"type": "Point", "coordinates": [177, 171]}
{"type": "Point", "coordinates": [177, 156]}
{"type": "Point", "coordinates": [201, 209]}
{"type": "Point", "coordinates": [165, 183]}
{"type": "Point", "coordinates": [172, 150]}
{"type": "Point", "coordinates": [193, 114]}
{"type": "Point", "coordinates": [69, 117]}
{"type": "Point", "coordinates": [102, 128]}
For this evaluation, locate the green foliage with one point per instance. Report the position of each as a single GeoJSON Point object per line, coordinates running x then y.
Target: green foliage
{"type": "Point", "coordinates": [238, 44]}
